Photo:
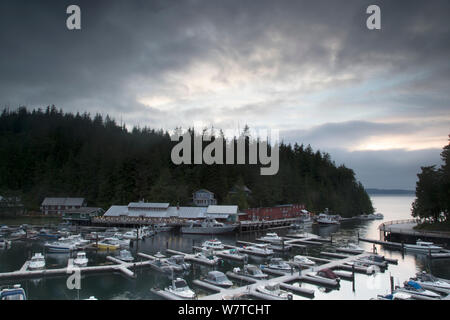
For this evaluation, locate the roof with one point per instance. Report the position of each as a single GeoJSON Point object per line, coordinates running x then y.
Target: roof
{"type": "Point", "coordinates": [218, 209]}
{"type": "Point", "coordinates": [157, 205]}
{"type": "Point", "coordinates": [181, 212]}
{"type": "Point", "coordinates": [203, 190]}
{"type": "Point", "coordinates": [116, 211]}
{"type": "Point", "coordinates": [63, 202]}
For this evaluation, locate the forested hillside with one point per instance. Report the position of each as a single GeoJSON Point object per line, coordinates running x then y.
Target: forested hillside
{"type": "Point", "coordinates": [49, 153]}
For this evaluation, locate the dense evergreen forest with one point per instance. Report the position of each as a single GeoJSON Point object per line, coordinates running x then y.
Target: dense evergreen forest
{"type": "Point", "coordinates": [432, 202]}
{"type": "Point", "coordinates": [51, 153]}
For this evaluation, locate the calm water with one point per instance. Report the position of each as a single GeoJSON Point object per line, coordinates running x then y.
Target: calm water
{"type": "Point", "coordinates": [116, 286]}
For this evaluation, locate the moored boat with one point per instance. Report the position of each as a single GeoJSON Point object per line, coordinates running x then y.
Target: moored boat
{"type": "Point", "coordinates": [218, 278]}
{"type": "Point", "coordinates": [213, 244]}
{"type": "Point", "coordinates": [81, 260]}
{"type": "Point", "coordinates": [37, 262]}
{"type": "Point", "coordinates": [180, 289]}
{"type": "Point", "coordinates": [273, 289]}
{"type": "Point", "coordinates": [15, 292]}
{"type": "Point", "coordinates": [250, 270]}
{"type": "Point", "coordinates": [423, 246]}
{"type": "Point", "coordinates": [208, 226]}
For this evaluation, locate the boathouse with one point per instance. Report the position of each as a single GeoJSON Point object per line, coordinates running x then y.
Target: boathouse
{"type": "Point", "coordinates": [82, 216]}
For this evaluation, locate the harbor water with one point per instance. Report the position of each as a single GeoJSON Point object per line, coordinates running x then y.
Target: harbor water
{"type": "Point", "coordinates": [117, 286]}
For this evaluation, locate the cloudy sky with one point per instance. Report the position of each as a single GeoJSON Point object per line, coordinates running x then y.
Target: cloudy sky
{"type": "Point", "coordinates": [376, 100]}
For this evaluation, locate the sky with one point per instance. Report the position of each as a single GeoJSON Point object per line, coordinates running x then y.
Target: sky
{"type": "Point", "coordinates": [375, 100]}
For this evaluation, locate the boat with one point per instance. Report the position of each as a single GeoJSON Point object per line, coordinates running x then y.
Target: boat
{"type": "Point", "coordinates": [180, 289]}
{"type": "Point", "coordinates": [47, 234]}
{"type": "Point", "coordinates": [430, 282]}
{"type": "Point", "coordinates": [214, 244]}
{"type": "Point", "coordinates": [108, 244]}
{"type": "Point", "coordinates": [370, 268]}
{"type": "Point", "coordinates": [272, 237]}
{"type": "Point", "coordinates": [208, 226]}
{"type": "Point", "coordinates": [395, 296]}
{"type": "Point", "coordinates": [178, 261]}
{"type": "Point", "coordinates": [207, 255]}
{"type": "Point", "coordinates": [162, 227]}
{"type": "Point", "coordinates": [325, 219]}
{"type": "Point", "coordinates": [132, 235]}
{"type": "Point", "coordinates": [37, 262]}
{"type": "Point", "coordinates": [81, 260]}
{"type": "Point", "coordinates": [423, 246]}
{"type": "Point", "coordinates": [218, 278]}
{"type": "Point", "coordinates": [324, 274]}
{"type": "Point", "coordinates": [62, 246]}
{"type": "Point", "coordinates": [303, 261]}
{"type": "Point", "coordinates": [251, 271]}
{"type": "Point", "coordinates": [273, 289]}
{"type": "Point", "coordinates": [18, 234]}
{"type": "Point", "coordinates": [14, 293]}
{"type": "Point", "coordinates": [125, 255]}
{"type": "Point", "coordinates": [415, 289]}
{"type": "Point", "coordinates": [258, 249]}
{"type": "Point", "coordinates": [351, 248]}
{"type": "Point", "coordinates": [379, 216]}
{"type": "Point", "coordinates": [4, 243]}
{"type": "Point", "coordinates": [374, 260]}
{"type": "Point", "coordinates": [91, 298]}
{"type": "Point", "coordinates": [122, 243]}
{"type": "Point", "coordinates": [278, 264]}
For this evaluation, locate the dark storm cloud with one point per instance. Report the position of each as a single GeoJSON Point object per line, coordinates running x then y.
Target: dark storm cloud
{"type": "Point", "coordinates": [310, 67]}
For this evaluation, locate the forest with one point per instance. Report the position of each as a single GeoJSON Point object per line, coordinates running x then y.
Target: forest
{"type": "Point", "coordinates": [432, 203]}
{"type": "Point", "coordinates": [49, 153]}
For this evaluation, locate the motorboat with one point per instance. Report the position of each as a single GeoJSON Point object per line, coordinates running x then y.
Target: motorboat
{"type": "Point", "coordinates": [374, 260]}
{"type": "Point", "coordinates": [37, 262]}
{"type": "Point", "coordinates": [180, 289]}
{"type": "Point", "coordinates": [325, 219]}
{"type": "Point", "coordinates": [235, 252]}
{"type": "Point", "coordinates": [81, 260]}
{"type": "Point", "coordinates": [61, 246]}
{"type": "Point", "coordinates": [396, 295]}
{"type": "Point", "coordinates": [430, 282]}
{"type": "Point", "coordinates": [303, 261]}
{"type": "Point", "coordinates": [18, 234]}
{"type": "Point", "coordinates": [218, 278]}
{"type": "Point", "coordinates": [423, 246]}
{"type": "Point", "coordinates": [16, 292]}
{"type": "Point", "coordinates": [351, 248]}
{"type": "Point", "coordinates": [370, 268]}
{"type": "Point", "coordinates": [278, 264]}
{"type": "Point", "coordinates": [4, 243]}
{"type": "Point", "coordinates": [258, 249]}
{"type": "Point", "coordinates": [48, 234]}
{"type": "Point", "coordinates": [324, 274]}
{"type": "Point", "coordinates": [178, 260]}
{"type": "Point", "coordinates": [415, 289]}
{"type": "Point", "coordinates": [251, 271]}
{"type": "Point", "coordinates": [207, 256]}
{"type": "Point", "coordinates": [214, 244]}
{"type": "Point", "coordinates": [208, 226]}
{"type": "Point", "coordinates": [108, 244]}
{"type": "Point", "coordinates": [125, 255]}
{"type": "Point", "coordinates": [273, 289]}
{"type": "Point", "coordinates": [122, 243]}
{"type": "Point", "coordinates": [132, 235]}
{"type": "Point", "coordinates": [272, 237]}
{"type": "Point", "coordinates": [162, 227]}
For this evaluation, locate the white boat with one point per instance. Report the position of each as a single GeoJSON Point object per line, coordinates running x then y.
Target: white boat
{"type": "Point", "coordinates": [180, 289]}
{"type": "Point", "coordinates": [122, 243]}
{"type": "Point", "coordinates": [272, 237]}
{"type": "Point", "coordinates": [62, 246]}
{"type": "Point", "coordinates": [91, 298]}
{"type": "Point", "coordinates": [430, 282]}
{"type": "Point", "coordinates": [162, 227]}
{"type": "Point", "coordinates": [258, 249]}
{"type": "Point", "coordinates": [423, 246]}
{"type": "Point", "coordinates": [251, 271]}
{"type": "Point", "coordinates": [218, 278]}
{"type": "Point", "coordinates": [325, 219]}
{"type": "Point", "coordinates": [37, 262]}
{"type": "Point", "coordinates": [125, 255]}
{"type": "Point", "coordinates": [4, 244]}
{"type": "Point", "coordinates": [278, 264]}
{"type": "Point", "coordinates": [81, 260]}
{"type": "Point", "coordinates": [213, 244]}
{"type": "Point", "coordinates": [303, 261]}
{"type": "Point", "coordinates": [415, 289]}
{"type": "Point", "coordinates": [207, 255]}
{"type": "Point", "coordinates": [351, 248]}
{"type": "Point", "coordinates": [14, 293]}
{"type": "Point", "coordinates": [370, 268]}
{"type": "Point", "coordinates": [208, 226]}
{"type": "Point", "coordinates": [18, 234]}
{"type": "Point", "coordinates": [273, 289]}
{"type": "Point", "coordinates": [395, 296]}
{"type": "Point", "coordinates": [132, 235]}
{"type": "Point", "coordinates": [178, 261]}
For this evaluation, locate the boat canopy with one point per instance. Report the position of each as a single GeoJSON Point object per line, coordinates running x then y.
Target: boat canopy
{"type": "Point", "coordinates": [414, 284]}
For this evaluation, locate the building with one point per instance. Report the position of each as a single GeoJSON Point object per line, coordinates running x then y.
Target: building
{"type": "Point", "coordinates": [82, 215]}
{"type": "Point", "coordinates": [275, 213]}
{"type": "Point", "coordinates": [157, 212]}
{"type": "Point", "coordinates": [203, 198]}
{"type": "Point", "coordinates": [57, 206]}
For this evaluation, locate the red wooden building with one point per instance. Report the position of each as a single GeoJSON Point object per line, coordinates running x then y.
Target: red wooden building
{"type": "Point", "coordinates": [273, 213]}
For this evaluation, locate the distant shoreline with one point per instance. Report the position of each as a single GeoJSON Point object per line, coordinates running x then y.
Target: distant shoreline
{"type": "Point", "coordinates": [393, 192]}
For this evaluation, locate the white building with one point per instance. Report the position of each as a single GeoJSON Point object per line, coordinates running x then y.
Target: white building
{"type": "Point", "coordinates": [203, 198]}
